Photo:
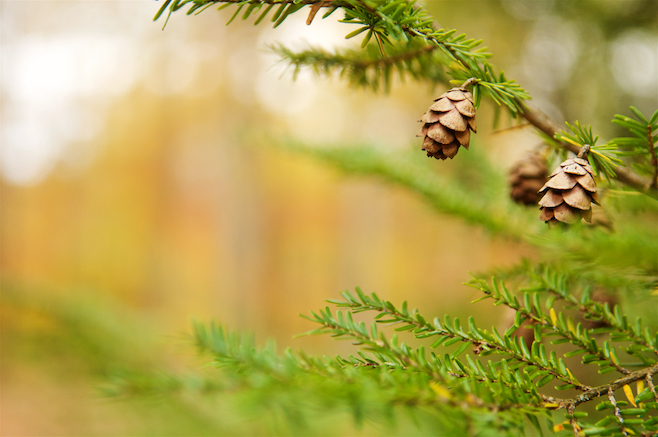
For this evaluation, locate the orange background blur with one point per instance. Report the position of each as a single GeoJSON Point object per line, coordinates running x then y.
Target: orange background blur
{"type": "Point", "coordinates": [129, 192]}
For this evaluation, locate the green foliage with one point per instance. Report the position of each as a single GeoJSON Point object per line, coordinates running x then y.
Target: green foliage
{"type": "Point", "coordinates": [458, 378]}
{"type": "Point", "coordinates": [641, 145]}
{"type": "Point", "coordinates": [367, 68]}
{"type": "Point", "coordinates": [474, 190]}
{"type": "Point", "coordinates": [454, 389]}
{"type": "Point", "coordinates": [400, 36]}
{"type": "Point", "coordinates": [403, 34]}
{"type": "Point", "coordinates": [603, 158]}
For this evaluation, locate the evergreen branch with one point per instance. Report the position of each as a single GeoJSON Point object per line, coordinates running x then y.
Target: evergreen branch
{"type": "Point", "coordinates": [594, 310]}
{"type": "Point", "coordinates": [549, 127]}
{"type": "Point", "coordinates": [402, 21]}
{"type": "Point", "coordinates": [272, 380]}
{"type": "Point", "coordinates": [475, 193]}
{"type": "Point", "coordinates": [565, 328]}
{"type": "Point", "coordinates": [451, 332]}
{"type": "Point", "coordinates": [481, 205]}
{"type": "Point", "coordinates": [447, 333]}
{"type": "Point", "coordinates": [614, 385]}
{"type": "Point", "coordinates": [603, 158]}
{"type": "Point", "coordinates": [641, 143]}
{"type": "Point", "coordinates": [402, 388]}
{"type": "Point", "coordinates": [516, 388]}
{"type": "Point", "coordinates": [367, 68]}
{"type": "Point", "coordinates": [390, 355]}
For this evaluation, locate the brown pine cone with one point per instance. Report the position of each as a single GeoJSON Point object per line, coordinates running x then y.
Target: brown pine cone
{"type": "Point", "coordinates": [526, 179]}
{"type": "Point", "coordinates": [569, 193]}
{"type": "Point", "coordinates": [447, 124]}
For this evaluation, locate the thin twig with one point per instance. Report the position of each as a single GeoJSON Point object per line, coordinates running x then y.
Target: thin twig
{"type": "Point", "coordinates": [509, 128]}
{"type": "Point", "coordinates": [613, 401]}
{"type": "Point", "coordinates": [652, 387]}
{"type": "Point", "coordinates": [573, 421]}
{"type": "Point", "coordinates": [614, 385]}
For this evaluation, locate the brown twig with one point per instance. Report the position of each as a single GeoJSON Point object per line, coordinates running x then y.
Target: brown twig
{"type": "Point", "coordinates": [531, 113]}
{"type": "Point", "coordinates": [652, 387]}
{"type": "Point", "coordinates": [573, 422]}
{"type": "Point", "coordinates": [509, 128]}
{"type": "Point", "coordinates": [545, 124]}
{"type": "Point", "coordinates": [613, 401]}
{"type": "Point", "coordinates": [603, 389]}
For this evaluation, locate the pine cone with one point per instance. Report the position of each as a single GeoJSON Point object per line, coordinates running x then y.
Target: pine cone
{"type": "Point", "coordinates": [569, 193]}
{"type": "Point", "coordinates": [447, 124]}
{"type": "Point", "coordinates": [526, 179]}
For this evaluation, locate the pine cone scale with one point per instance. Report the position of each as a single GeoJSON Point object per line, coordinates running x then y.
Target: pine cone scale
{"type": "Point", "coordinates": [565, 214]}
{"type": "Point", "coordinates": [577, 198]}
{"type": "Point", "coordinates": [442, 105]}
{"type": "Point", "coordinates": [431, 146]}
{"type": "Point", "coordinates": [561, 181]}
{"type": "Point", "coordinates": [430, 117]}
{"type": "Point", "coordinates": [551, 200]}
{"type": "Point", "coordinates": [546, 214]}
{"type": "Point", "coordinates": [450, 150]}
{"type": "Point", "coordinates": [465, 108]}
{"type": "Point", "coordinates": [464, 138]}
{"type": "Point", "coordinates": [440, 134]}
{"type": "Point", "coordinates": [587, 215]}
{"type": "Point", "coordinates": [472, 124]}
{"type": "Point", "coordinates": [587, 182]}
{"type": "Point", "coordinates": [456, 94]}
{"type": "Point", "coordinates": [453, 120]}
{"type": "Point", "coordinates": [574, 169]}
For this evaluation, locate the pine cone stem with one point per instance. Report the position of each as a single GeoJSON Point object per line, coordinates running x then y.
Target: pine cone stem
{"type": "Point", "coordinates": [469, 82]}
{"type": "Point", "coordinates": [584, 151]}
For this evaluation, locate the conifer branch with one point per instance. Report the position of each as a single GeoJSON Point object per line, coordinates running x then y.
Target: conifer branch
{"type": "Point", "coordinates": [399, 35]}
{"type": "Point", "coordinates": [449, 332]}
{"type": "Point", "coordinates": [565, 328]}
{"type": "Point", "coordinates": [366, 68]}
{"type": "Point", "coordinates": [402, 20]}
{"type": "Point", "coordinates": [544, 123]}
{"type": "Point", "coordinates": [614, 385]}
{"type": "Point", "coordinates": [479, 338]}
{"type": "Point", "coordinates": [594, 310]}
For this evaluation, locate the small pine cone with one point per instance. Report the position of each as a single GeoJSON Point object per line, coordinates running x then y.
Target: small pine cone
{"type": "Point", "coordinates": [569, 193]}
{"type": "Point", "coordinates": [526, 179]}
{"type": "Point", "coordinates": [447, 124]}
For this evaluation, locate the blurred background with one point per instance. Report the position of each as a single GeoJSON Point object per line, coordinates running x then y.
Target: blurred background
{"type": "Point", "coordinates": [134, 199]}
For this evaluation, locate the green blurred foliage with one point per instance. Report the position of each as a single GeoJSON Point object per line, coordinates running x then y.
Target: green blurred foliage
{"type": "Point", "coordinates": [169, 214]}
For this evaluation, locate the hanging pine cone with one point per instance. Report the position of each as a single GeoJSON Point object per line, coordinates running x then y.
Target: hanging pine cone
{"type": "Point", "coordinates": [569, 193]}
{"type": "Point", "coordinates": [447, 124]}
{"type": "Point", "coordinates": [526, 178]}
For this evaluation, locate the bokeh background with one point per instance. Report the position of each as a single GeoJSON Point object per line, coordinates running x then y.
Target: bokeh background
{"type": "Point", "coordinates": [134, 198]}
